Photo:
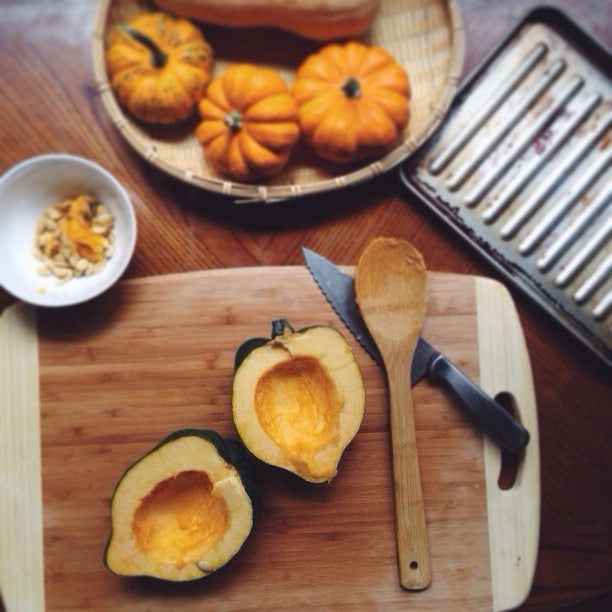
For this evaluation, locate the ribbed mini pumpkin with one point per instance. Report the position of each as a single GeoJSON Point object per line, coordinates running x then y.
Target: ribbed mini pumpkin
{"type": "Point", "coordinates": [353, 101]}
{"type": "Point", "coordinates": [159, 67]}
{"type": "Point", "coordinates": [249, 122]}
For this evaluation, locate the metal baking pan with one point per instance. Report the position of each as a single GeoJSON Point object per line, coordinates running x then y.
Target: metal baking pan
{"type": "Point", "coordinates": [522, 169]}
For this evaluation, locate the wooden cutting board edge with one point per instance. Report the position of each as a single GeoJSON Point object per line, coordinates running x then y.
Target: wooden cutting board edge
{"type": "Point", "coordinates": [504, 366]}
{"type": "Point", "coordinates": [22, 577]}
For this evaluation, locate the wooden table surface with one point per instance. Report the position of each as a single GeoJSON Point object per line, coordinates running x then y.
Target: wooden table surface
{"type": "Point", "coordinates": [49, 103]}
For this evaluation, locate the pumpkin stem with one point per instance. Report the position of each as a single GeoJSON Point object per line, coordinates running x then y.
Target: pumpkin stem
{"type": "Point", "coordinates": [233, 120]}
{"type": "Point", "coordinates": [351, 88]}
{"type": "Point", "coordinates": [280, 327]}
{"type": "Point", "coordinates": [158, 57]}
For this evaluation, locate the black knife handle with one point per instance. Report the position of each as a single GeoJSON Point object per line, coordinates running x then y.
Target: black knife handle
{"type": "Point", "coordinates": [492, 418]}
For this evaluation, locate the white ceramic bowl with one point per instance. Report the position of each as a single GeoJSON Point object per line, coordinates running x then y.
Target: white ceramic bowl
{"type": "Point", "coordinates": [26, 190]}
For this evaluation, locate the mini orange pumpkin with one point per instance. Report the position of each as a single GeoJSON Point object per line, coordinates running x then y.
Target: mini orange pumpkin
{"type": "Point", "coordinates": [159, 67]}
{"type": "Point", "coordinates": [249, 122]}
{"type": "Point", "coordinates": [353, 101]}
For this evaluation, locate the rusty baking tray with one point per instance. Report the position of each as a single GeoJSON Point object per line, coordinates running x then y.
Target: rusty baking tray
{"type": "Point", "coordinates": [522, 169]}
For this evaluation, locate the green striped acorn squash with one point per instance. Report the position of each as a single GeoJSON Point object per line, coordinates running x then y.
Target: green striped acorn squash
{"type": "Point", "coordinates": [298, 398]}
{"type": "Point", "coordinates": [183, 510]}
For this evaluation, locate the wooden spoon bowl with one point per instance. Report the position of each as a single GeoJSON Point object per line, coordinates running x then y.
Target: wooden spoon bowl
{"type": "Point", "coordinates": [390, 287]}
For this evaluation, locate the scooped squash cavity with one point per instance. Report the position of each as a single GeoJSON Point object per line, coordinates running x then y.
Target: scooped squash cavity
{"type": "Point", "coordinates": [183, 510]}
{"type": "Point", "coordinates": [298, 399]}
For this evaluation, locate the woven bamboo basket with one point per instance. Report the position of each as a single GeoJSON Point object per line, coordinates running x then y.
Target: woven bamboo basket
{"type": "Point", "coordinates": [424, 36]}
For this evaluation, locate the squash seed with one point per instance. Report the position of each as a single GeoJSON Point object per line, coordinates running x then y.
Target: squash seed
{"type": "Point", "coordinates": [53, 245]}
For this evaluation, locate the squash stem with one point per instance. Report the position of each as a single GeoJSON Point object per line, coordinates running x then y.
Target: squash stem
{"type": "Point", "coordinates": [233, 120]}
{"type": "Point", "coordinates": [351, 88]}
{"type": "Point", "coordinates": [280, 327]}
{"type": "Point", "coordinates": [158, 57]}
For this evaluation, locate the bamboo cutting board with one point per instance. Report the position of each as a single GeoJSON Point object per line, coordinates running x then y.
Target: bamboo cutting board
{"type": "Point", "coordinates": [87, 390]}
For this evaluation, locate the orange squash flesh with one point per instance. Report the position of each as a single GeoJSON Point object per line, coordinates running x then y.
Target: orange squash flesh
{"type": "Point", "coordinates": [180, 519]}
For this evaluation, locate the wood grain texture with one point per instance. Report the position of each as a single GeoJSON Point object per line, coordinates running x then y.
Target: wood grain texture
{"type": "Point", "coordinates": [21, 525]}
{"type": "Point", "coordinates": [154, 355]}
{"type": "Point", "coordinates": [516, 545]}
{"type": "Point", "coordinates": [390, 287]}
{"type": "Point", "coordinates": [51, 104]}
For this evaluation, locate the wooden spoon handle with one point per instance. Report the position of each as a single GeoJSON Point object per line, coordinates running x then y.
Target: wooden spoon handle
{"type": "Point", "coordinates": [411, 528]}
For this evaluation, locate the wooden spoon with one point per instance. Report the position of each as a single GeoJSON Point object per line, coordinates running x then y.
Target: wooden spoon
{"type": "Point", "coordinates": [390, 287]}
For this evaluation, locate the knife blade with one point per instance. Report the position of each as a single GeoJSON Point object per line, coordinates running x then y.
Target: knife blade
{"type": "Point", "coordinates": [339, 290]}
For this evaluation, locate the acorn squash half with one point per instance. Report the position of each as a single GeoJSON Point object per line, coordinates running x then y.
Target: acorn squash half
{"type": "Point", "coordinates": [183, 510]}
{"type": "Point", "coordinates": [298, 398]}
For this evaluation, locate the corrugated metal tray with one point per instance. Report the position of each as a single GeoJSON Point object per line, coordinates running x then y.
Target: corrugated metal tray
{"type": "Point", "coordinates": [522, 169]}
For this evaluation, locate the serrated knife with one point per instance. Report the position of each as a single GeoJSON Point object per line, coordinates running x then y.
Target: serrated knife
{"type": "Point", "coordinates": [494, 420]}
